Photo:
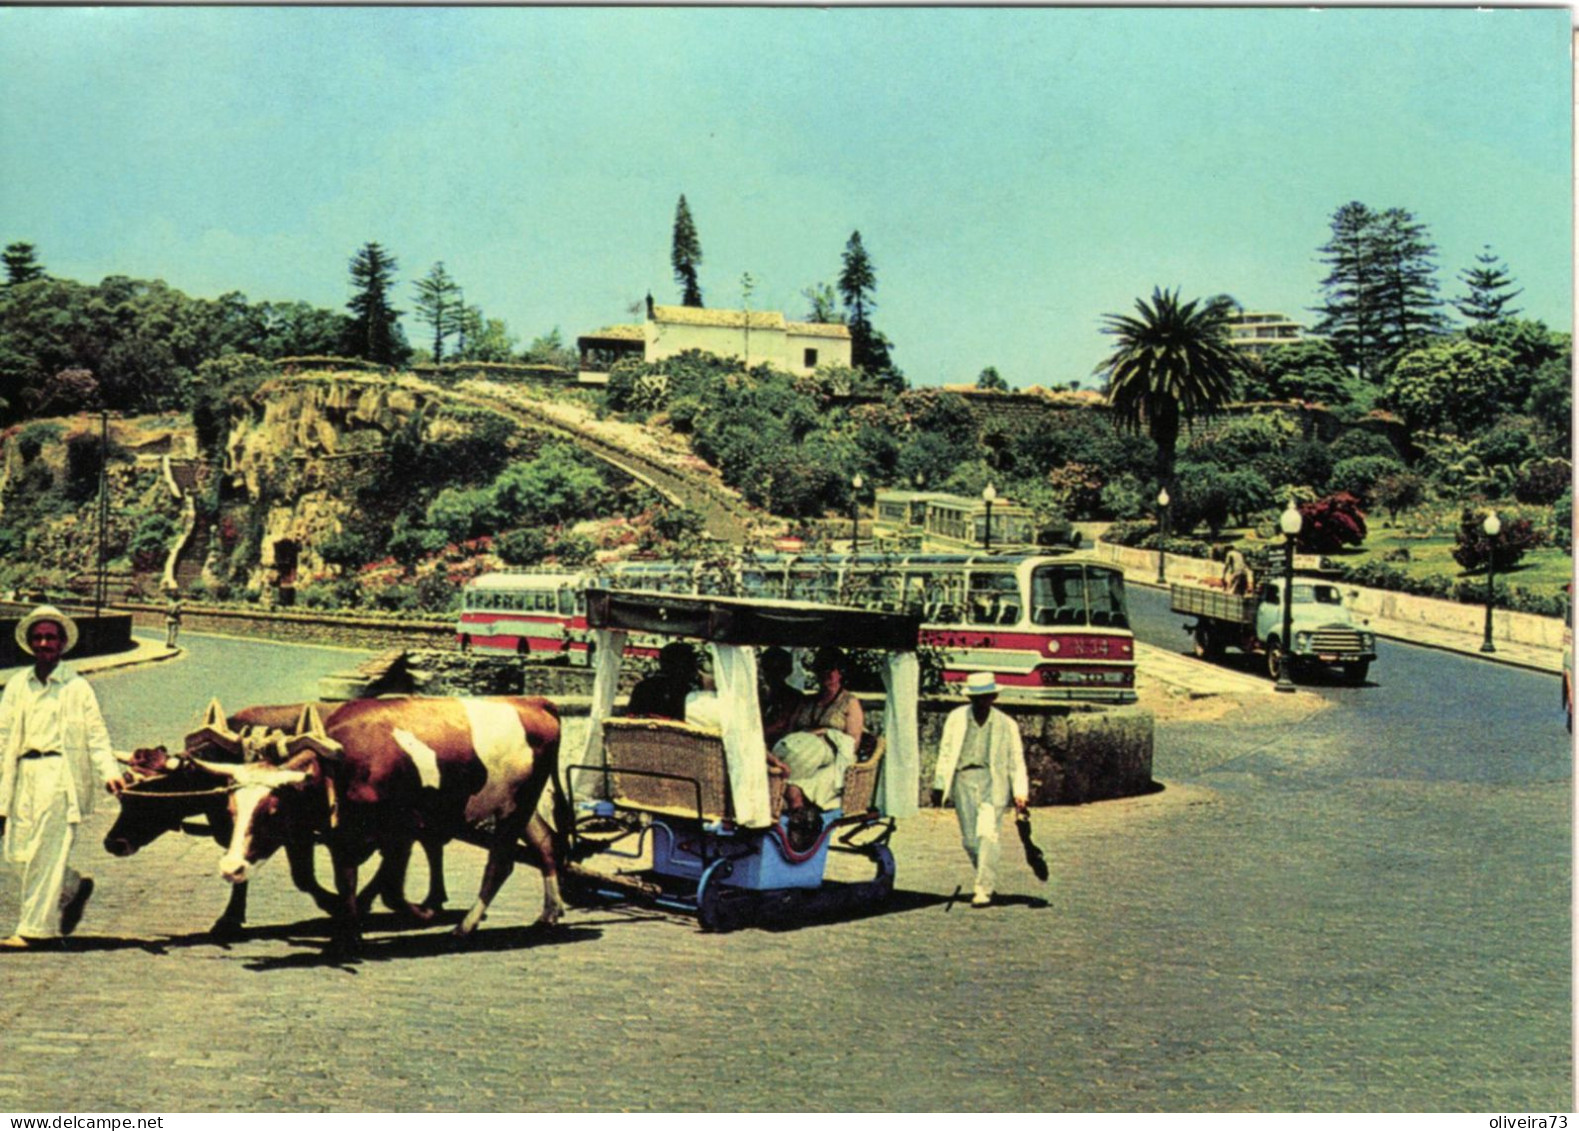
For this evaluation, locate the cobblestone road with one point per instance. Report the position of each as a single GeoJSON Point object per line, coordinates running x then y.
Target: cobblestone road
{"type": "Point", "coordinates": [1281, 928]}
{"type": "Point", "coordinates": [1233, 942]}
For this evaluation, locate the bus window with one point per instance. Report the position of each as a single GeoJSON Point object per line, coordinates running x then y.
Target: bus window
{"type": "Point", "coordinates": [938, 597]}
{"type": "Point", "coordinates": [1058, 595]}
{"type": "Point", "coordinates": [994, 599]}
{"type": "Point", "coordinates": [567, 602]}
{"type": "Point", "coordinates": [1105, 590]}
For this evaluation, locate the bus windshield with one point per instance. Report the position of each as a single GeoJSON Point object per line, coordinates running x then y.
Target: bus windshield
{"type": "Point", "coordinates": [1076, 594]}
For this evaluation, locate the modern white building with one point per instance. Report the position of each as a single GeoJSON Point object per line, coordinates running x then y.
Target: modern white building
{"type": "Point", "coordinates": [1255, 332]}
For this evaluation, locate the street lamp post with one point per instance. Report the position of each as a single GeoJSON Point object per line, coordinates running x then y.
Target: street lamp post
{"type": "Point", "coordinates": [101, 580]}
{"type": "Point", "coordinates": [1290, 523]}
{"type": "Point", "coordinates": [855, 514]}
{"type": "Point", "coordinates": [988, 494]}
{"type": "Point", "coordinates": [1493, 527]}
{"type": "Point", "coordinates": [1162, 533]}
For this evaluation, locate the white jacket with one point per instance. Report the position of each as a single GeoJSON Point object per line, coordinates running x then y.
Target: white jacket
{"type": "Point", "coordinates": [88, 753]}
{"type": "Point", "coordinates": [1005, 755]}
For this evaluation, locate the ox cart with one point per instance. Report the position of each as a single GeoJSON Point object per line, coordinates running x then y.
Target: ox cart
{"type": "Point", "coordinates": [690, 819]}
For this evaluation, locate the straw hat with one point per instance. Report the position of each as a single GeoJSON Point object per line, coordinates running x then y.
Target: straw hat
{"type": "Point", "coordinates": [981, 683]}
{"type": "Point", "coordinates": [46, 612]}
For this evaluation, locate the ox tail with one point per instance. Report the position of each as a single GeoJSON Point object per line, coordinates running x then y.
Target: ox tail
{"type": "Point", "coordinates": [556, 805]}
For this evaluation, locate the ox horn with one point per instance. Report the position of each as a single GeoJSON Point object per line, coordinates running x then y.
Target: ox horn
{"type": "Point", "coordinates": [214, 732]}
{"type": "Point", "coordinates": [312, 735]}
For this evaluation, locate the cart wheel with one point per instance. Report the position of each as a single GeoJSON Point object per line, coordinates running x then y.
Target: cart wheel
{"type": "Point", "coordinates": [717, 905]}
{"type": "Point", "coordinates": [883, 885]}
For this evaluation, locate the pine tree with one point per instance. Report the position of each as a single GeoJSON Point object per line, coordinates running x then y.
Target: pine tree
{"type": "Point", "coordinates": [1380, 293]}
{"type": "Point", "coordinates": [1348, 310]}
{"type": "Point", "coordinates": [440, 306]}
{"type": "Point", "coordinates": [374, 332]}
{"type": "Point", "coordinates": [857, 281]}
{"type": "Point", "coordinates": [1488, 297]}
{"type": "Point", "coordinates": [21, 264]}
{"type": "Point", "coordinates": [1410, 311]}
{"type": "Point", "coordinates": [686, 255]}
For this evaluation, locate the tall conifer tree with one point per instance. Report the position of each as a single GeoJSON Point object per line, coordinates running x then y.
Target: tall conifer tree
{"type": "Point", "coordinates": [440, 306]}
{"type": "Point", "coordinates": [1489, 293]}
{"type": "Point", "coordinates": [686, 255]}
{"type": "Point", "coordinates": [374, 332]}
{"type": "Point", "coordinates": [21, 264]}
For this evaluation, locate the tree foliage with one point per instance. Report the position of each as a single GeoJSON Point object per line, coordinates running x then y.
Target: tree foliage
{"type": "Point", "coordinates": [21, 264]}
{"type": "Point", "coordinates": [869, 348]}
{"type": "Point", "coordinates": [1458, 386]}
{"type": "Point", "coordinates": [1172, 364]}
{"type": "Point", "coordinates": [440, 307]}
{"type": "Point", "coordinates": [1379, 295]}
{"type": "Point", "coordinates": [374, 332]}
{"type": "Point", "coordinates": [685, 255]}
{"type": "Point", "coordinates": [1489, 290]}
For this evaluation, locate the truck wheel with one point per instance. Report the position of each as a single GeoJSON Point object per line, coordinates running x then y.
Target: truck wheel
{"type": "Point", "coordinates": [1205, 643]}
{"type": "Point", "coordinates": [1354, 674]}
{"type": "Point", "coordinates": [1274, 659]}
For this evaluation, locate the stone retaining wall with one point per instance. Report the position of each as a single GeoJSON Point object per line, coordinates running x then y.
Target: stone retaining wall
{"type": "Point", "coordinates": [1382, 604]}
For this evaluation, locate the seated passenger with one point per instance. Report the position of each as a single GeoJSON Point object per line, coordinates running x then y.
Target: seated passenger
{"type": "Point", "coordinates": [777, 696]}
{"type": "Point", "coordinates": [661, 695]}
{"type": "Point", "coordinates": [825, 731]}
{"type": "Point", "coordinates": [703, 708]}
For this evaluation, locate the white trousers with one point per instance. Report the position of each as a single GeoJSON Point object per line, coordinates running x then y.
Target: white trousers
{"type": "Point", "coordinates": [978, 824]}
{"type": "Point", "coordinates": [38, 838]}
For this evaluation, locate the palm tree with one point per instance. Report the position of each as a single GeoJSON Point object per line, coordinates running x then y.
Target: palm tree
{"type": "Point", "coordinates": [1173, 363]}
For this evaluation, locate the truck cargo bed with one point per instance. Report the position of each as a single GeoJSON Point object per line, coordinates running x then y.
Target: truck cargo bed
{"type": "Point", "coordinates": [1214, 604]}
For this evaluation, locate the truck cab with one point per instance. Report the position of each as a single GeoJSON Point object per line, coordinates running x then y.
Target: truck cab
{"type": "Point", "coordinates": [1324, 630]}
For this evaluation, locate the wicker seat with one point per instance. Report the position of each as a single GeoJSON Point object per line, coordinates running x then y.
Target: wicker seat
{"type": "Point", "coordinates": [860, 783]}
{"type": "Point", "coordinates": [691, 754]}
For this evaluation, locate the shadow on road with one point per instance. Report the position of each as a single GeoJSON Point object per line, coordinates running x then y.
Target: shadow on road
{"type": "Point", "coordinates": [428, 945]}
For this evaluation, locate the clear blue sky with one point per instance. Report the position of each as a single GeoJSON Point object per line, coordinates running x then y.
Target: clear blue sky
{"type": "Point", "coordinates": [1014, 173]}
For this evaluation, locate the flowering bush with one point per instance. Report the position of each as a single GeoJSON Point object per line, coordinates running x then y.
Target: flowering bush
{"type": "Point", "coordinates": [1331, 523]}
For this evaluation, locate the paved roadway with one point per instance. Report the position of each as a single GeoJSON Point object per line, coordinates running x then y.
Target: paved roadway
{"type": "Point", "coordinates": [1344, 899]}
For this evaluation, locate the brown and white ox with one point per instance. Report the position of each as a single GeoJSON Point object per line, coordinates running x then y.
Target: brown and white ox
{"type": "Point", "coordinates": [382, 774]}
{"type": "Point", "coordinates": [171, 790]}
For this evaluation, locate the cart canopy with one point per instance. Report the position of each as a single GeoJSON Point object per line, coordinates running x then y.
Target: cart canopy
{"type": "Point", "coordinates": [733, 628]}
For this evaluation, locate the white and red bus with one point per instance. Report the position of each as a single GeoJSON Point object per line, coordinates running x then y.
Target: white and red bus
{"type": "Point", "coordinates": [539, 613]}
{"type": "Point", "coordinates": [1050, 628]}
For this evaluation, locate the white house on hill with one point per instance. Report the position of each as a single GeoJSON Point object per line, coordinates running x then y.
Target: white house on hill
{"type": "Point", "coordinates": [754, 336]}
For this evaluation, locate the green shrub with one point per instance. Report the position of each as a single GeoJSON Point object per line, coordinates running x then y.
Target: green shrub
{"type": "Point", "coordinates": [1360, 475]}
{"type": "Point", "coordinates": [150, 543]}
{"type": "Point", "coordinates": [526, 545]}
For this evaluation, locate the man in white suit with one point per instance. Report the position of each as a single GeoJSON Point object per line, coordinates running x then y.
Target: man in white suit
{"type": "Point", "coordinates": [981, 766]}
{"type": "Point", "coordinates": [54, 756]}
